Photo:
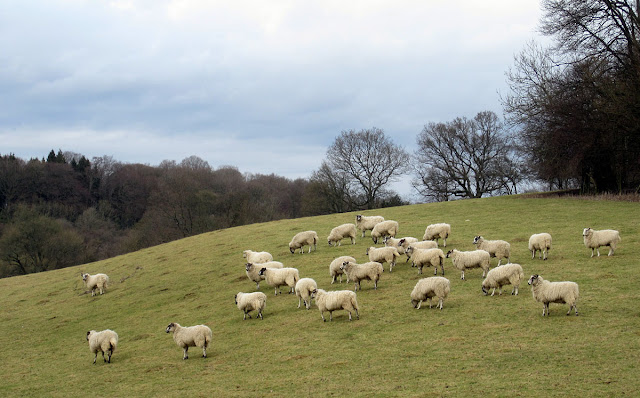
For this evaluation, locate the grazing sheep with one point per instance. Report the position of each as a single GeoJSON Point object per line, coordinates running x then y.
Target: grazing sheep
{"type": "Point", "coordinates": [253, 270]}
{"type": "Point", "coordinates": [607, 237]}
{"type": "Point", "coordinates": [383, 255]}
{"type": "Point", "coordinates": [358, 272]}
{"type": "Point", "coordinates": [471, 259]}
{"type": "Point", "coordinates": [366, 223]}
{"type": "Point", "coordinates": [554, 292]}
{"type": "Point", "coordinates": [104, 341]}
{"type": "Point", "coordinates": [540, 242]}
{"type": "Point", "coordinates": [277, 277]}
{"type": "Point", "coordinates": [92, 282]}
{"type": "Point", "coordinates": [496, 248]}
{"type": "Point", "coordinates": [384, 228]}
{"type": "Point", "coordinates": [248, 302]}
{"type": "Point", "coordinates": [428, 257]}
{"type": "Point", "coordinates": [340, 232]}
{"type": "Point", "coordinates": [508, 274]}
{"type": "Point", "coordinates": [257, 257]}
{"type": "Point", "coordinates": [336, 300]}
{"type": "Point", "coordinates": [191, 336]}
{"type": "Point", "coordinates": [303, 238]}
{"type": "Point", "coordinates": [335, 270]}
{"type": "Point", "coordinates": [423, 244]}
{"type": "Point", "coordinates": [304, 287]}
{"type": "Point", "coordinates": [437, 231]}
{"type": "Point", "coordinates": [400, 244]}
{"type": "Point", "coordinates": [427, 288]}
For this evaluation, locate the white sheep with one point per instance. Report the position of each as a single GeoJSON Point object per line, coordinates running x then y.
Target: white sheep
{"type": "Point", "coordinates": [384, 228]}
{"type": "Point", "coordinates": [554, 292]}
{"type": "Point", "coordinates": [340, 232]}
{"type": "Point", "coordinates": [428, 257]}
{"type": "Point", "coordinates": [371, 271]}
{"type": "Point", "coordinates": [277, 277]}
{"type": "Point", "coordinates": [508, 274]}
{"type": "Point", "coordinates": [423, 244]}
{"type": "Point", "coordinates": [104, 341]}
{"type": "Point", "coordinates": [400, 244]}
{"type": "Point", "coordinates": [540, 242]}
{"type": "Point", "coordinates": [470, 259]}
{"type": "Point", "coordinates": [606, 237]}
{"type": "Point", "coordinates": [303, 289]}
{"type": "Point", "coordinates": [437, 231]}
{"type": "Point", "coordinates": [303, 238]}
{"type": "Point", "coordinates": [248, 302]}
{"type": "Point", "coordinates": [257, 257]}
{"type": "Point", "coordinates": [366, 223]}
{"type": "Point", "coordinates": [253, 270]}
{"type": "Point", "coordinates": [496, 248]}
{"type": "Point", "coordinates": [99, 281]}
{"type": "Point", "coordinates": [336, 300]}
{"type": "Point", "coordinates": [427, 288]}
{"type": "Point", "coordinates": [335, 270]}
{"type": "Point", "coordinates": [382, 255]}
{"type": "Point", "coordinates": [191, 336]}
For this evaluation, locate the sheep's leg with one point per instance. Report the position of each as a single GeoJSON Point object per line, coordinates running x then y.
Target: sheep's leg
{"type": "Point", "coordinates": [322, 315]}
{"type": "Point", "coordinates": [430, 301]}
{"type": "Point", "coordinates": [185, 355]}
{"type": "Point", "coordinates": [610, 251]}
{"type": "Point", "coordinates": [95, 357]}
{"type": "Point", "coordinates": [419, 304]}
{"type": "Point", "coordinates": [598, 250]}
{"type": "Point", "coordinates": [299, 301]}
{"type": "Point", "coordinates": [204, 351]}
{"type": "Point", "coordinates": [533, 254]}
{"type": "Point", "coordinates": [462, 275]}
{"type": "Point", "coordinates": [442, 269]}
{"type": "Point", "coordinates": [257, 285]}
{"type": "Point", "coordinates": [109, 354]}
{"type": "Point", "coordinates": [375, 285]}
{"type": "Point", "coordinates": [435, 270]}
{"type": "Point", "coordinates": [445, 242]}
{"type": "Point", "coordinates": [494, 292]}
{"type": "Point", "coordinates": [357, 314]}
{"type": "Point", "coordinates": [260, 314]}
{"type": "Point", "coordinates": [330, 316]}
{"type": "Point", "coordinates": [440, 303]}
{"type": "Point", "coordinates": [349, 316]}
{"type": "Point", "coordinates": [500, 290]}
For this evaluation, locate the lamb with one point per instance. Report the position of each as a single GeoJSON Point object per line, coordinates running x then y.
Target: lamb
{"type": "Point", "coordinates": [427, 288]}
{"type": "Point", "coordinates": [358, 272]}
{"type": "Point", "coordinates": [540, 242]}
{"type": "Point", "coordinates": [383, 255]}
{"type": "Point", "coordinates": [191, 336]}
{"type": "Point", "coordinates": [99, 281]}
{"type": "Point", "coordinates": [248, 302]}
{"type": "Point", "coordinates": [470, 259]}
{"type": "Point", "coordinates": [277, 277]}
{"type": "Point", "coordinates": [606, 237]}
{"type": "Point", "coordinates": [423, 244]}
{"type": "Point", "coordinates": [104, 341]}
{"type": "Point", "coordinates": [253, 270]}
{"type": "Point", "coordinates": [554, 292]}
{"type": "Point", "coordinates": [401, 244]}
{"type": "Point", "coordinates": [366, 223]}
{"type": "Point", "coordinates": [496, 248]}
{"type": "Point", "coordinates": [304, 287]}
{"type": "Point", "coordinates": [340, 232]}
{"type": "Point", "coordinates": [336, 300]}
{"type": "Point", "coordinates": [257, 257]}
{"type": "Point", "coordinates": [508, 274]}
{"type": "Point", "coordinates": [384, 228]}
{"type": "Point", "coordinates": [303, 238]}
{"type": "Point", "coordinates": [428, 257]}
{"type": "Point", "coordinates": [437, 231]}
{"type": "Point", "coordinates": [335, 270]}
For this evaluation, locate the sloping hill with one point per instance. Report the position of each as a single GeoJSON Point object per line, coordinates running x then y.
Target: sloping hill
{"type": "Point", "coordinates": [476, 346]}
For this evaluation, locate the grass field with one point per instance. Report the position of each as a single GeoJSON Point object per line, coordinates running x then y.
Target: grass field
{"type": "Point", "coordinates": [476, 346]}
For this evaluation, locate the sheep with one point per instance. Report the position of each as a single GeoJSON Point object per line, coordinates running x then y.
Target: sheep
{"type": "Point", "coordinates": [303, 289]}
{"type": "Point", "coordinates": [384, 228]}
{"type": "Point", "coordinates": [470, 259]}
{"type": "Point", "coordinates": [496, 248]}
{"type": "Point", "coordinates": [428, 257]}
{"type": "Point", "coordinates": [104, 341]}
{"type": "Point", "coordinates": [253, 270]}
{"type": "Point", "coordinates": [540, 242]}
{"type": "Point", "coordinates": [248, 302]}
{"type": "Point", "coordinates": [336, 300]}
{"type": "Point", "coordinates": [437, 231]}
{"type": "Point", "coordinates": [92, 282]}
{"type": "Point", "coordinates": [358, 272]}
{"type": "Point", "coordinates": [366, 223]}
{"type": "Point", "coordinates": [383, 255]}
{"type": "Point", "coordinates": [427, 288]}
{"type": "Point", "coordinates": [340, 232]}
{"type": "Point", "coordinates": [607, 237]}
{"type": "Point", "coordinates": [191, 336]}
{"type": "Point", "coordinates": [400, 244]}
{"type": "Point", "coordinates": [335, 270]}
{"type": "Point", "coordinates": [508, 274]}
{"type": "Point", "coordinates": [554, 292]}
{"type": "Point", "coordinates": [277, 277]}
{"type": "Point", "coordinates": [303, 238]}
{"type": "Point", "coordinates": [257, 257]}
{"type": "Point", "coordinates": [423, 244]}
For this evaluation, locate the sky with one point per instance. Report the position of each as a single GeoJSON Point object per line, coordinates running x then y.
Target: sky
{"type": "Point", "coordinates": [265, 86]}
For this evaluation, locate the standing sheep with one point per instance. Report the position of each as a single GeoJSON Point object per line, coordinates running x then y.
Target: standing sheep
{"type": "Point", "coordinates": [540, 242]}
{"type": "Point", "coordinates": [340, 232]}
{"type": "Point", "coordinates": [191, 336]}
{"type": "Point", "coordinates": [401, 244]}
{"type": "Point", "coordinates": [385, 228]}
{"type": "Point", "coordinates": [336, 300]}
{"type": "Point", "coordinates": [437, 231]}
{"type": "Point", "coordinates": [104, 341]}
{"type": "Point", "coordinates": [248, 302]}
{"type": "Point", "coordinates": [257, 257]}
{"type": "Point", "coordinates": [508, 274]}
{"type": "Point", "coordinates": [423, 244]}
{"type": "Point", "coordinates": [303, 238]}
{"type": "Point", "coordinates": [358, 272]}
{"type": "Point", "coordinates": [471, 259]}
{"type": "Point", "coordinates": [99, 281]}
{"type": "Point", "coordinates": [427, 288]}
{"type": "Point", "coordinates": [496, 248]}
{"type": "Point", "coordinates": [335, 270]}
{"type": "Point", "coordinates": [383, 255]}
{"type": "Point", "coordinates": [277, 277]}
{"type": "Point", "coordinates": [607, 237]}
{"type": "Point", "coordinates": [554, 292]}
{"type": "Point", "coordinates": [366, 223]}
{"type": "Point", "coordinates": [428, 257]}
{"type": "Point", "coordinates": [253, 270]}
{"type": "Point", "coordinates": [304, 287]}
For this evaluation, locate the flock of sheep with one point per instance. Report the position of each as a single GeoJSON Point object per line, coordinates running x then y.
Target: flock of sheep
{"type": "Point", "coordinates": [261, 266]}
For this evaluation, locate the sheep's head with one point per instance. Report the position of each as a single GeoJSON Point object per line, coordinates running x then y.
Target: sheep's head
{"type": "Point", "coordinates": [477, 239]}
{"type": "Point", "coordinates": [587, 232]}
{"type": "Point", "coordinates": [358, 217]}
{"type": "Point", "coordinates": [244, 253]}
{"type": "Point", "coordinates": [329, 240]}
{"type": "Point", "coordinates": [248, 266]}
{"type": "Point", "coordinates": [85, 276]}
{"type": "Point", "coordinates": [344, 265]}
{"type": "Point", "coordinates": [171, 327]}
{"type": "Point", "coordinates": [235, 298]}
{"type": "Point", "coordinates": [414, 303]}
{"type": "Point", "coordinates": [484, 289]}
{"type": "Point", "coordinates": [291, 249]}
{"type": "Point", "coordinates": [89, 334]}
{"type": "Point", "coordinates": [409, 249]}
{"type": "Point", "coordinates": [534, 280]}
{"type": "Point", "coordinates": [313, 293]}
{"type": "Point", "coordinates": [262, 271]}
{"type": "Point", "coordinates": [449, 253]}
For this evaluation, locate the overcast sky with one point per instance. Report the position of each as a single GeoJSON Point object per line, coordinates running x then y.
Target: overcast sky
{"type": "Point", "coordinates": [265, 86]}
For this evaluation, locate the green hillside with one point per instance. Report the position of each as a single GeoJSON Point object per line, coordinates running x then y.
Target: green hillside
{"type": "Point", "coordinates": [489, 346]}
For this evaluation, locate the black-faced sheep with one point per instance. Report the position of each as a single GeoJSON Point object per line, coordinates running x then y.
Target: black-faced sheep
{"type": "Point", "coordinates": [253, 270]}
{"type": "Point", "coordinates": [384, 228]}
{"type": "Point", "coordinates": [606, 237]}
{"type": "Point", "coordinates": [554, 292]}
{"type": "Point", "coordinates": [371, 271]}
{"type": "Point", "coordinates": [301, 239]}
{"type": "Point", "coordinates": [437, 231]}
{"type": "Point", "coordinates": [470, 259]}
{"type": "Point", "coordinates": [248, 302]}
{"type": "Point", "coordinates": [540, 242]}
{"type": "Point", "coordinates": [366, 223]}
{"type": "Point", "coordinates": [335, 270]}
{"type": "Point", "coordinates": [277, 277]}
{"type": "Point", "coordinates": [104, 341]}
{"type": "Point", "coordinates": [427, 288]}
{"type": "Point", "coordinates": [497, 248]}
{"type": "Point", "coordinates": [426, 257]}
{"type": "Point", "coordinates": [336, 300]}
{"type": "Point", "coordinates": [303, 289]}
{"type": "Point", "coordinates": [383, 255]}
{"type": "Point", "coordinates": [191, 336]}
{"type": "Point", "coordinates": [97, 281]}
{"type": "Point", "coordinates": [508, 274]}
{"type": "Point", "coordinates": [340, 232]}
